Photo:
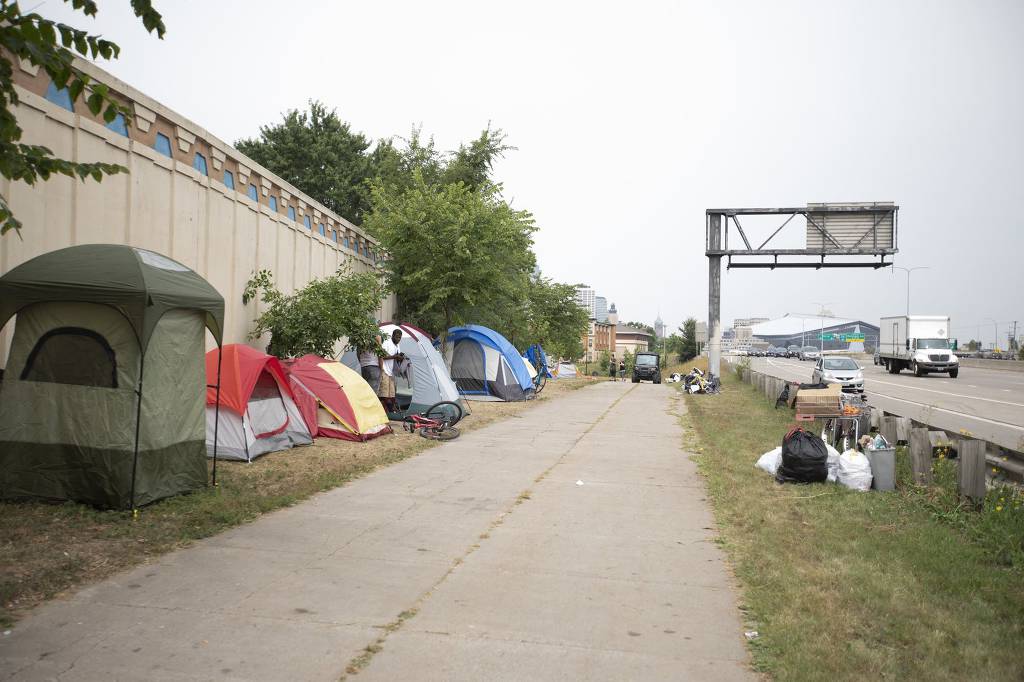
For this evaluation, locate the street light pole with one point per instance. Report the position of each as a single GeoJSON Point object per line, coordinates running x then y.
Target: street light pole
{"type": "Point", "coordinates": [821, 321]}
{"type": "Point", "coordinates": [908, 271]}
{"type": "Point", "coordinates": [995, 327]}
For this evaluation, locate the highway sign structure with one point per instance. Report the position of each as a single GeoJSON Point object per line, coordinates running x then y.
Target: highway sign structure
{"type": "Point", "coordinates": [863, 235]}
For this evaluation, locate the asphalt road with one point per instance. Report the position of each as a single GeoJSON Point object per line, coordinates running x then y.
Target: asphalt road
{"type": "Point", "coordinates": [986, 402]}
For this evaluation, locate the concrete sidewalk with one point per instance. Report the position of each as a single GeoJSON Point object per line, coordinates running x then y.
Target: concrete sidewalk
{"type": "Point", "coordinates": [479, 559]}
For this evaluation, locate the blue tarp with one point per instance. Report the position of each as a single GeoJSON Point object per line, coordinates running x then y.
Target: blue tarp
{"type": "Point", "coordinates": [538, 358]}
{"type": "Point", "coordinates": [492, 339]}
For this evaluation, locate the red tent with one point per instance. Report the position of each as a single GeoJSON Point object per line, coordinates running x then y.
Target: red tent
{"type": "Point", "coordinates": [259, 412]}
{"type": "Point", "coordinates": [334, 400]}
{"type": "Point", "coordinates": [241, 367]}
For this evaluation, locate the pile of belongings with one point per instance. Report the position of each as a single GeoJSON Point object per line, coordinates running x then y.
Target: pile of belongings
{"type": "Point", "coordinates": [697, 382]}
{"type": "Point", "coordinates": [805, 458]}
{"type": "Point", "coordinates": [674, 378]}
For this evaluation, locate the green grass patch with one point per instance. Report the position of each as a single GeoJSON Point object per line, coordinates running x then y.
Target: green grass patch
{"type": "Point", "coordinates": [844, 585]}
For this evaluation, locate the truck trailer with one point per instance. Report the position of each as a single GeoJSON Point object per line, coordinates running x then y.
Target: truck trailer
{"type": "Point", "coordinates": [920, 343]}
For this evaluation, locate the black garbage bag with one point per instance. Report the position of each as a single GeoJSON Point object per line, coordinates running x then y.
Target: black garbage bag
{"type": "Point", "coordinates": [783, 399]}
{"type": "Point", "coordinates": [804, 458]}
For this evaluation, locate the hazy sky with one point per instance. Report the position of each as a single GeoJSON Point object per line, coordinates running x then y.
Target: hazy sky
{"type": "Point", "coordinates": [632, 118]}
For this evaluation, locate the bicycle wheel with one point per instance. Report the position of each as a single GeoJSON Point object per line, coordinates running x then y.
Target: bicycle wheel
{"type": "Point", "coordinates": [539, 383]}
{"type": "Point", "coordinates": [439, 433]}
{"type": "Point", "coordinates": [445, 411]}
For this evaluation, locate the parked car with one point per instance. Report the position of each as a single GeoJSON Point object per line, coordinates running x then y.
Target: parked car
{"type": "Point", "coordinates": [647, 367]}
{"type": "Point", "coordinates": [839, 370]}
{"type": "Point", "coordinates": [809, 353]}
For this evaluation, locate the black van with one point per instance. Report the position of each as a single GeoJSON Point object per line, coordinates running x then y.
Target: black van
{"type": "Point", "coordinates": [647, 367]}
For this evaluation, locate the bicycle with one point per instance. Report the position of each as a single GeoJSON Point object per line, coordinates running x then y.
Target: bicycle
{"type": "Point", "coordinates": [437, 422]}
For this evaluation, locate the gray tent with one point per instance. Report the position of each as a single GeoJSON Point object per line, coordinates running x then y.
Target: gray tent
{"type": "Point", "coordinates": [77, 421]}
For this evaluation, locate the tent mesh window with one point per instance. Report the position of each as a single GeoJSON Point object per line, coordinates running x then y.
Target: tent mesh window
{"type": "Point", "coordinates": [72, 355]}
{"type": "Point", "coordinates": [468, 367]}
{"type": "Point", "coordinates": [266, 388]}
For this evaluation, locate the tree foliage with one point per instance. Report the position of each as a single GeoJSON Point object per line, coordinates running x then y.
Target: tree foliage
{"type": "Point", "coordinates": [52, 46]}
{"type": "Point", "coordinates": [630, 359]}
{"type": "Point", "coordinates": [321, 155]}
{"type": "Point", "coordinates": [688, 347]}
{"type": "Point", "coordinates": [449, 248]}
{"type": "Point", "coordinates": [315, 318]}
{"type": "Point", "coordinates": [642, 325]}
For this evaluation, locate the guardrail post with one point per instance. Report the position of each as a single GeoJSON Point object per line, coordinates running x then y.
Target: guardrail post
{"type": "Point", "coordinates": [972, 470]}
{"type": "Point", "coordinates": [903, 426]}
{"type": "Point", "coordinates": [888, 429]}
{"type": "Point", "coordinates": [921, 456]}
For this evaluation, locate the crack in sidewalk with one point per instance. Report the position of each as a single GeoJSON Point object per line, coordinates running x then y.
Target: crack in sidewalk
{"type": "Point", "coordinates": [362, 660]}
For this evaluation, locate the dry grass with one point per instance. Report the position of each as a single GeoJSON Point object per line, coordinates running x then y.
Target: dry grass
{"type": "Point", "coordinates": [48, 549]}
{"type": "Point", "coordinates": [851, 586]}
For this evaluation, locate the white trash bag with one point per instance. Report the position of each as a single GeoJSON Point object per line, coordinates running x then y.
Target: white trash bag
{"type": "Point", "coordinates": [833, 463]}
{"type": "Point", "coordinates": [854, 470]}
{"type": "Point", "coordinates": [770, 461]}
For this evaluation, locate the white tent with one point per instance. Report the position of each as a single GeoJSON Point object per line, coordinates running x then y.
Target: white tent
{"type": "Point", "coordinates": [566, 370]}
{"type": "Point", "coordinates": [425, 380]}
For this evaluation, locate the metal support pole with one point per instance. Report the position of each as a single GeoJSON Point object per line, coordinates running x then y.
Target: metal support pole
{"type": "Point", "coordinates": [216, 415]}
{"type": "Point", "coordinates": [714, 296]}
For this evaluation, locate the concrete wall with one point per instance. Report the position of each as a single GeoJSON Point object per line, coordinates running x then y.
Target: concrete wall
{"type": "Point", "coordinates": [165, 205]}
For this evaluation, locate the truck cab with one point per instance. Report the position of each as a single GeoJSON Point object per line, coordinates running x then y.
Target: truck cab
{"type": "Point", "coordinates": [932, 355]}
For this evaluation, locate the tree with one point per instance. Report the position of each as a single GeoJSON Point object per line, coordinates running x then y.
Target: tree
{"type": "Point", "coordinates": [641, 325]}
{"type": "Point", "coordinates": [688, 348]}
{"type": "Point", "coordinates": [322, 156]}
{"type": "Point", "coordinates": [554, 318]}
{"type": "Point", "coordinates": [973, 345]}
{"type": "Point", "coordinates": [629, 359]}
{"type": "Point", "coordinates": [316, 317]}
{"type": "Point", "coordinates": [449, 248]}
{"type": "Point", "coordinates": [603, 361]}
{"type": "Point", "coordinates": [32, 38]}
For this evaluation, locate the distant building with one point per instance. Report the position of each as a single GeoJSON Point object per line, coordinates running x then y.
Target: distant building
{"type": "Point", "coordinates": [585, 298]}
{"type": "Point", "coordinates": [598, 338]}
{"type": "Point", "coordinates": [748, 321]}
{"type": "Point", "coordinates": [600, 308]}
{"type": "Point", "coordinates": [613, 315]}
{"type": "Point", "coordinates": [631, 339]}
{"type": "Point", "coordinates": [659, 328]}
{"type": "Point", "coordinates": [806, 330]}
{"type": "Point", "coordinates": [702, 333]}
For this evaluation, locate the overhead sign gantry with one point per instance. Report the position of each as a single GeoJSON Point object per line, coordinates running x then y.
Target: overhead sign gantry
{"type": "Point", "coordinates": [862, 235]}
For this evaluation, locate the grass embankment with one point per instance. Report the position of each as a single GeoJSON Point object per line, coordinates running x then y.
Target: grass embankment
{"type": "Point", "coordinates": [48, 549]}
{"type": "Point", "coordinates": [844, 585]}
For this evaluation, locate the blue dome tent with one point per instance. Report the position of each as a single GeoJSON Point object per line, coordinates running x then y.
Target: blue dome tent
{"type": "Point", "coordinates": [485, 366]}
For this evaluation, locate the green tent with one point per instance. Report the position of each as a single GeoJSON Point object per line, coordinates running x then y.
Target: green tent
{"type": "Point", "coordinates": [77, 421]}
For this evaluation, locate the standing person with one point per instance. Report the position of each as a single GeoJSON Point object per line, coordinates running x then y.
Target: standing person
{"type": "Point", "coordinates": [370, 364]}
{"type": "Point", "coordinates": [611, 368]}
{"type": "Point", "coordinates": [622, 369]}
{"type": "Point", "coordinates": [386, 393]}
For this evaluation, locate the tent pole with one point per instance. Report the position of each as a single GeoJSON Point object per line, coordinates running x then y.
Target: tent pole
{"type": "Point", "coordinates": [216, 415]}
{"type": "Point", "coordinates": [138, 421]}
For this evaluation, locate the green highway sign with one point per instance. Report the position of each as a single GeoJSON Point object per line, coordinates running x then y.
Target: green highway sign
{"type": "Point", "coordinates": [846, 338]}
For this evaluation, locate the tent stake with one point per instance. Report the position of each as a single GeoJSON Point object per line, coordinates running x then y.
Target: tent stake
{"type": "Point", "coordinates": [216, 415]}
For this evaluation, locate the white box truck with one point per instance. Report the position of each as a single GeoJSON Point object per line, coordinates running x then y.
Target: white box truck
{"type": "Point", "coordinates": [919, 343]}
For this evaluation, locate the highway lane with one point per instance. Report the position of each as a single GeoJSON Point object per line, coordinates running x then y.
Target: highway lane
{"type": "Point", "coordinates": [988, 403]}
